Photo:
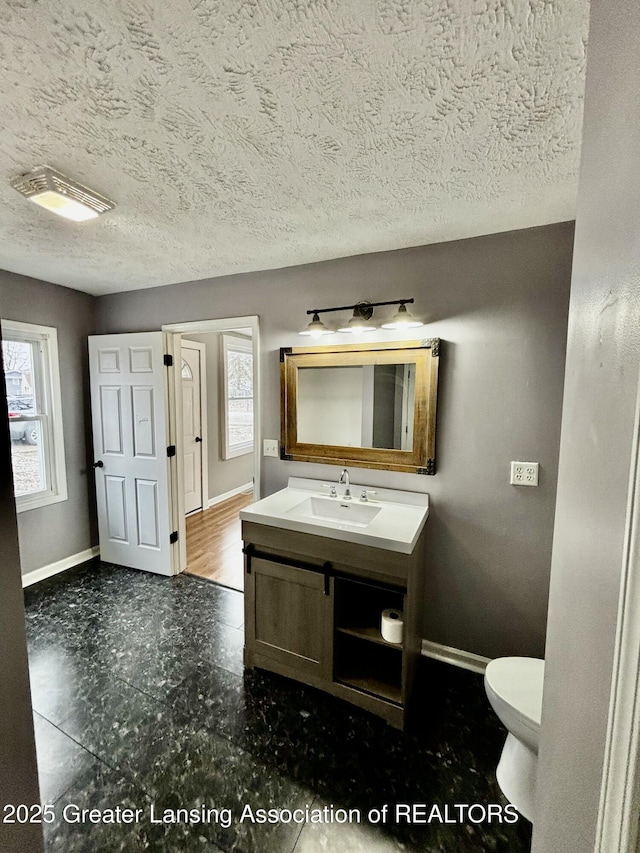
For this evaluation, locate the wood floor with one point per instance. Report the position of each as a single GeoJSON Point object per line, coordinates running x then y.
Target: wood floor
{"type": "Point", "coordinates": [214, 544]}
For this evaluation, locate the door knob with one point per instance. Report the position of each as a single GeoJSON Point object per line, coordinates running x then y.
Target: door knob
{"type": "Point", "coordinates": [98, 464]}
{"type": "Point", "coordinates": [198, 438]}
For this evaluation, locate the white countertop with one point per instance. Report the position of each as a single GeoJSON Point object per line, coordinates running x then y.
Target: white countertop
{"type": "Point", "coordinates": [396, 527]}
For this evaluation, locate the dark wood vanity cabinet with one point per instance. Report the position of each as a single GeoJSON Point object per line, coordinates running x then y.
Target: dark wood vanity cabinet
{"type": "Point", "coordinates": [312, 612]}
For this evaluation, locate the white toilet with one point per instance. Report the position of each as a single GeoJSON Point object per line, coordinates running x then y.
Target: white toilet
{"type": "Point", "coordinates": [514, 688]}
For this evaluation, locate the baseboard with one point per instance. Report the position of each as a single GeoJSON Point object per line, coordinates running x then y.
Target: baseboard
{"type": "Point", "coordinates": [230, 494]}
{"type": "Point", "coordinates": [457, 657]}
{"type": "Point", "coordinates": [61, 566]}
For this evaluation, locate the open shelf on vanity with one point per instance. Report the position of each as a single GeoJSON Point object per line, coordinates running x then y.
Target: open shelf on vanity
{"type": "Point", "coordinates": [371, 634]}
{"type": "Point", "coordinates": [373, 669]}
{"type": "Point", "coordinates": [358, 609]}
{"type": "Point", "coordinates": [363, 659]}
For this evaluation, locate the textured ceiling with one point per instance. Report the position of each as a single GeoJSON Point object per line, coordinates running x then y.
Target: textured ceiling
{"type": "Point", "coordinates": [240, 135]}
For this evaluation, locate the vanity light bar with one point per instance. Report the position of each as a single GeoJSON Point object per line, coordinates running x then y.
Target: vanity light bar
{"type": "Point", "coordinates": [361, 305]}
{"type": "Point", "coordinates": [360, 321]}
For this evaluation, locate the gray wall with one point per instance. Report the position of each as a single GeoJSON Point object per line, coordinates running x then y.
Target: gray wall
{"type": "Point", "coordinates": [500, 303]}
{"type": "Point", "coordinates": [18, 774]}
{"type": "Point", "coordinates": [224, 474]}
{"type": "Point", "coordinates": [601, 388]}
{"type": "Point", "coordinates": [49, 533]}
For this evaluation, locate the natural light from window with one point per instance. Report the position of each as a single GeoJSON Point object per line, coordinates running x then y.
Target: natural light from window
{"type": "Point", "coordinates": [29, 473]}
{"type": "Point", "coordinates": [238, 396]}
{"type": "Point", "coordinates": [30, 359]}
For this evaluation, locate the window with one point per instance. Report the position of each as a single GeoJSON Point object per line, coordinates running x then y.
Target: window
{"type": "Point", "coordinates": [32, 380]}
{"type": "Point", "coordinates": [237, 384]}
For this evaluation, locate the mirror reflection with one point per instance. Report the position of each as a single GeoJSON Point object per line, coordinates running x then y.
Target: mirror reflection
{"type": "Point", "coordinates": [369, 405]}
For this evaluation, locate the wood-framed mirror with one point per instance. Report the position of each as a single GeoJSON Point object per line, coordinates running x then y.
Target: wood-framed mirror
{"type": "Point", "coordinates": [368, 405]}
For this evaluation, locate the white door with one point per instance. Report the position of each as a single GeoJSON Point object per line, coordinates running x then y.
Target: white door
{"type": "Point", "coordinates": [128, 407]}
{"type": "Point", "coordinates": [192, 425]}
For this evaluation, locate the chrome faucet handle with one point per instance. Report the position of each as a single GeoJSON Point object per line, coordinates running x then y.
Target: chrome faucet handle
{"type": "Point", "coordinates": [364, 494]}
{"type": "Point", "coordinates": [333, 492]}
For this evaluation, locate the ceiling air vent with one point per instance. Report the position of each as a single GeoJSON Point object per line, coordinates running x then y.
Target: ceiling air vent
{"type": "Point", "coordinates": [62, 195]}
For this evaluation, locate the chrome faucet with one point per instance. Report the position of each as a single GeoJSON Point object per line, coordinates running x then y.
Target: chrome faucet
{"type": "Point", "coordinates": [344, 481]}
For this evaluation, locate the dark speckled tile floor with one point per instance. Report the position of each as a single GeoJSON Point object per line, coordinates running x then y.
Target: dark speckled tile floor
{"type": "Point", "coordinates": [140, 699]}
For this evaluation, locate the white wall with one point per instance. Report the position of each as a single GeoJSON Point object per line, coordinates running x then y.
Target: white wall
{"type": "Point", "coordinates": [330, 405]}
{"type": "Point", "coordinates": [601, 389]}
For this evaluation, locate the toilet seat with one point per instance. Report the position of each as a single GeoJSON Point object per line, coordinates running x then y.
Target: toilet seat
{"type": "Point", "coordinates": [514, 688]}
{"type": "Point", "coordinates": [518, 682]}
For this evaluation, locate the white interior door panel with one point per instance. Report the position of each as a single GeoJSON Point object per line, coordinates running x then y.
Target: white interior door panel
{"type": "Point", "coordinates": [129, 415]}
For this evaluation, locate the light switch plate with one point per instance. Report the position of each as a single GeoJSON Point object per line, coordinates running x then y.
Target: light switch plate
{"type": "Point", "coordinates": [270, 447]}
{"type": "Point", "coordinates": [524, 473]}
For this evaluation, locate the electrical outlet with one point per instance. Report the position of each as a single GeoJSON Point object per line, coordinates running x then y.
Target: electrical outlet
{"type": "Point", "coordinates": [524, 473]}
{"type": "Point", "coordinates": [270, 447]}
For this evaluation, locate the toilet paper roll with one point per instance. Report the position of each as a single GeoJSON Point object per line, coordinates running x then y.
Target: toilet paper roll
{"type": "Point", "coordinates": [392, 625]}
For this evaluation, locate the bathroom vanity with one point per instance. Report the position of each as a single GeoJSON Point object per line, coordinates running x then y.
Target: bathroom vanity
{"type": "Point", "coordinates": [319, 571]}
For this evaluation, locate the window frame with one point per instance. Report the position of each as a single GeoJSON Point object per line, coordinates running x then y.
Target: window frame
{"type": "Point", "coordinates": [48, 399]}
{"type": "Point", "coordinates": [234, 343]}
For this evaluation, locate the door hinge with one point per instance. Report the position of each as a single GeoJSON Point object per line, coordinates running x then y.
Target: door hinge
{"type": "Point", "coordinates": [168, 360]}
{"type": "Point", "coordinates": [173, 537]}
{"type": "Point", "coordinates": [171, 450]}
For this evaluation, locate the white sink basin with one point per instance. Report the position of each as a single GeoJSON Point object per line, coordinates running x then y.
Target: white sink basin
{"type": "Point", "coordinates": [334, 509]}
{"type": "Point", "coordinates": [393, 521]}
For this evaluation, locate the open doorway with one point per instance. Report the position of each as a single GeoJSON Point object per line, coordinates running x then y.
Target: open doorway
{"type": "Point", "coordinates": [215, 429]}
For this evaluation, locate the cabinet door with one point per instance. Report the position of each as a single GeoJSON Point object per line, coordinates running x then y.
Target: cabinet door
{"type": "Point", "coordinates": [289, 617]}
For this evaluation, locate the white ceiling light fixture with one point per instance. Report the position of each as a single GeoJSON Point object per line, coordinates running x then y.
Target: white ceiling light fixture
{"type": "Point", "coordinates": [59, 194]}
{"type": "Point", "coordinates": [316, 328]}
{"type": "Point", "coordinates": [402, 319]}
{"type": "Point", "coordinates": [361, 320]}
